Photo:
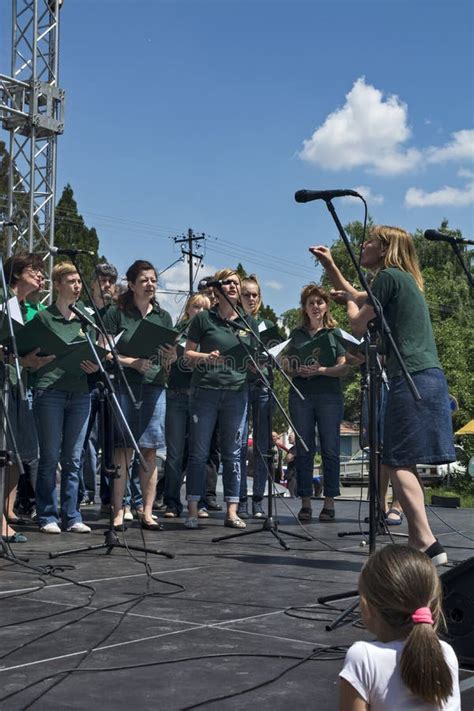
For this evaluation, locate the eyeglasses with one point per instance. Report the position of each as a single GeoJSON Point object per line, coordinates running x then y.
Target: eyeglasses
{"type": "Point", "coordinates": [34, 270]}
{"type": "Point", "coordinates": [228, 282]}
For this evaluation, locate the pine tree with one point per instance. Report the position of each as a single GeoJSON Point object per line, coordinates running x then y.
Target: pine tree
{"type": "Point", "coordinates": [72, 233]}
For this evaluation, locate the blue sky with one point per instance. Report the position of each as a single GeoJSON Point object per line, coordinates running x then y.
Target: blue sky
{"type": "Point", "coordinates": [211, 113]}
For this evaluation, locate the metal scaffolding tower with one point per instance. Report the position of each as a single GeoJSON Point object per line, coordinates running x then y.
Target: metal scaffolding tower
{"type": "Point", "coordinates": [32, 110]}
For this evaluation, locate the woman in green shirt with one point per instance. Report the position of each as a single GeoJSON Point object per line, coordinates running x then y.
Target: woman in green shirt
{"type": "Point", "coordinates": [61, 405]}
{"type": "Point", "coordinates": [147, 379]}
{"type": "Point", "coordinates": [414, 431]}
{"type": "Point", "coordinates": [318, 378]}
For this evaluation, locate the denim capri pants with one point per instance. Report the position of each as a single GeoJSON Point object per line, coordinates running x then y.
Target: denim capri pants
{"type": "Point", "coordinates": [418, 432]}
{"type": "Point", "coordinates": [147, 423]}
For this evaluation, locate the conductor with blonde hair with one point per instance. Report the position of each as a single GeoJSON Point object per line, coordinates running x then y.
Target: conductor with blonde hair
{"type": "Point", "coordinates": [414, 431]}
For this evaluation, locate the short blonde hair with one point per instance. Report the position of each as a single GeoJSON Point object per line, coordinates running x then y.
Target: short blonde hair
{"type": "Point", "coordinates": [196, 300]}
{"type": "Point", "coordinates": [223, 274]}
{"type": "Point", "coordinates": [400, 248]}
{"type": "Point", "coordinates": [62, 270]}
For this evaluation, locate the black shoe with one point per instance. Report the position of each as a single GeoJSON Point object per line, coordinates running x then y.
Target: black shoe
{"type": "Point", "coordinates": [151, 526]}
{"type": "Point", "coordinates": [257, 510]}
{"type": "Point", "coordinates": [212, 505]}
{"type": "Point", "coordinates": [437, 553]}
{"type": "Point", "coordinates": [243, 510]}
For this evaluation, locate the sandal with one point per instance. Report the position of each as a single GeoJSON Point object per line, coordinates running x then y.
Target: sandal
{"type": "Point", "coordinates": [393, 521]}
{"type": "Point", "coordinates": [305, 514]}
{"type": "Point", "coordinates": [155, 526]}
{"type": "Point", "coordinates": [234, 523]}
{"type": "Point", "coordinates": [327, 515]}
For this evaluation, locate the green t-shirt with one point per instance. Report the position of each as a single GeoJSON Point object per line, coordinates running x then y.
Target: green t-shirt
{"type": "Point", "coordinates": [53, 375]}
{"type": "Point", "coordinates": [407, 315]}
{"type": "Point", "coordinates": [117, 320]}
{"type": "Point", "coordinates": [32, 309]}
{"type": "Point", "coordinates": [327, 350]}
{"type": "Point", "coordinates": [180, 376]}
{"type": "Point", "coordinates": [211, 333]}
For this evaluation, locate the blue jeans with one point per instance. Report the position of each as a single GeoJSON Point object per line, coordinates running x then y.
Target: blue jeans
{"type": "Point", "coordinates": [229, 409]}
{"type": "Point", "coordinates": [176, 430]}
{"type": "Point", "coordinates": [324, 410]}
{"type": "Point", "coordinates": [259, 405]}
{"type": "Point", "coordinates": [133, 492]}
{"type": "Point", "coordinates": [90, 456]}
{"type": "Point", "coordinates": [61, 422]}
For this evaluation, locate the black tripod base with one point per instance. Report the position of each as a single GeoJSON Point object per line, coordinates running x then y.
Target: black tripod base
{"type": "Point", "coordinates": [270, 525]}
{"type": "Point", "coordinates": [111, 542]}
{"type": "Point", "coordinates": [7, 555]}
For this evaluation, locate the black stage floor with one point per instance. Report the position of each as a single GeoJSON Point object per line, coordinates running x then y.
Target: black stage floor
{"type": "Point", "coordinates": [107, 632]}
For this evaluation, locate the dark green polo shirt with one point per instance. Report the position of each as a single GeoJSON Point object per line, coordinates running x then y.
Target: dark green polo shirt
{"type": "Point", "coordinates": [116, 320]}
{"type": "Point", "coordinates": [331, 350]}
{"type": "Point", "coordinates": [52, 375]}
{"type": "Point", "coordinates": [211, 333]}
{"type": "Point", "coordinates": [407, 315]}
{"type": "Point", "coordinates": [180, 376]}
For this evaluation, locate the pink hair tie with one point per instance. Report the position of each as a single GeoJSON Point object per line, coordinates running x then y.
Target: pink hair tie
{"type": "Point", "coordinates": [422, 615]}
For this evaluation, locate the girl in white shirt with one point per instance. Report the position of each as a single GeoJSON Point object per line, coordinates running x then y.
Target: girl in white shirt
{"type": "Point", "coordinates": [408, 667]}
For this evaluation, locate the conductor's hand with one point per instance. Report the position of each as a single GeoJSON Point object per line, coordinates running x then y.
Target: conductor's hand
{"type": "Point", "coordinates": [87, 366]}
{"type": "Point", "coordinates": [34, 361]}
{"type": "Point", "coordinates": [141, 364]}
{"type": "Point", "coordinates": [339, 296]}
{"type": "Point", "coordinates": [169, 355]}
{"type": "Point", "coordinates": [323, 254]}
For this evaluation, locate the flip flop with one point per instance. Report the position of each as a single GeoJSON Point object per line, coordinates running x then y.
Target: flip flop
{"type": "Point", "coordinates": [393, 521]}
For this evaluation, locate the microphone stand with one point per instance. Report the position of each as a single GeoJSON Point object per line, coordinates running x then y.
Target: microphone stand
{"type": "Point", "coordinates": [108, 398]}
{"type": "Point", "coordinates": [379, 323]}
{"type": "Point", "coordinates": [461, 261]}
{"type": "Point", "coordinates": [270, 524]}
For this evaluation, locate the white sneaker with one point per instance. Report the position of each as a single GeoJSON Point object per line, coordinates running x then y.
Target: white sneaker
{"type": "Point", "coordinates": [50, 528]}
{"type": "Point", "coordinates": [128, 516]}
{"type": "Point", "coordinates": [79, 527]}
{"type": "Point", "coordinates": [202, 513]}
{"type": "Point", "coordinates": [191, 522]}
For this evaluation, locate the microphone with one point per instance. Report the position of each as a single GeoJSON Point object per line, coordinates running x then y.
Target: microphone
{"type": "Point", "coordinates": [436, 236]}
{"type": "Point", "coordinates": [308, 195]}
{"type": "Point", "coordinates": [7, 223]}
{"type": "Point", "coordinates": [70, 252]}
{"type": "Point", "coordinates": [82, 316]}
{"type": "Point", "coordinates": [216, 283]}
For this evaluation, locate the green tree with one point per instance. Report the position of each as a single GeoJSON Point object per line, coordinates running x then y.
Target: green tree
{"type": "Point", "coordinates": [71, 232]}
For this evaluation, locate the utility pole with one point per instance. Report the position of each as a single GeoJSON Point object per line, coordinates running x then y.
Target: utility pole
{"type": "Point", "coordinates": [190, 239]}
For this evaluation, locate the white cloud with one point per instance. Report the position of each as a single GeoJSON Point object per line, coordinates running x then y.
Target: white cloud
{"type": "Point", "coordinates": [371, 131]}
{"type": "Point", "coordinates": [368, 131]}
{"type": "Point", "coordinates": [444, 197]}
{"type": "Point", "coordinates": [465, 173]}
{"type": "Point", "coordinates": [367, 194]}
{"type": "Point", "coordinates": [176, 279]}
{"type": "Point", "coordinates": [272, 284]}
{"type": "Point", "coordinates": [461, 147]}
